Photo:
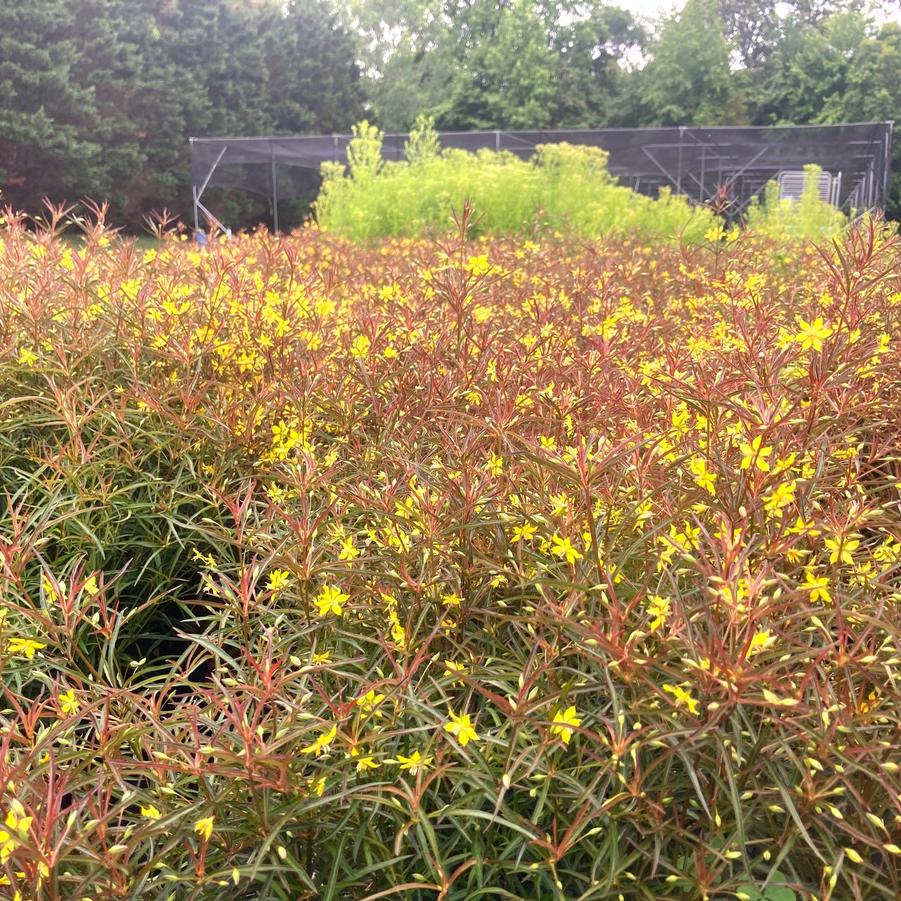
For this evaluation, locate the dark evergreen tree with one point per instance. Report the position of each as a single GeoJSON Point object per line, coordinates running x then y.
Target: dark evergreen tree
{"type": "Point", "coordinates": [48, 143]}
{"type": "Point", "coordinates": [99, 97]}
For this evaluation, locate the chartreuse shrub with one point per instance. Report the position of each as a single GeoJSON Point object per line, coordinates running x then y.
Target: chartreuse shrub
{"type": "Point", "coordinates": [564, 189]}
{"type": "Point", "coordinates": [806, 217]}
{"type": "Point", "coordinates": [449, 569]}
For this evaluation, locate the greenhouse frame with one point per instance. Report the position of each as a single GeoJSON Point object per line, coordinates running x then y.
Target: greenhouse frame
{"type": "Point", "coordinates": [726, 166]}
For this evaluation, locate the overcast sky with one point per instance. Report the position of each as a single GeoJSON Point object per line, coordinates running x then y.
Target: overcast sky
{"type": "Point", "coordinates": [650, 9]}
{"type": "Point", "coordinates": [655, 9]}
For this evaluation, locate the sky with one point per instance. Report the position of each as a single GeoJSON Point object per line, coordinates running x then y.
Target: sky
{"type": "Point", "coordinates": [652, 10]}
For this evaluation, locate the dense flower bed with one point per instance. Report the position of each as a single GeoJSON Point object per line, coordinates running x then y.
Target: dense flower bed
{"type": "Point", "coordinates": [458, 570]}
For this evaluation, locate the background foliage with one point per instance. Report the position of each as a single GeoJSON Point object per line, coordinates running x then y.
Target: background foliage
{"type": "Point", "coordinates": [99, 97]}
{"type": "Point", "coordinates": [563, 189]}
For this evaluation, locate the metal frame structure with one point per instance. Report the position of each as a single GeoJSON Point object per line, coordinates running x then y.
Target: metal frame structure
{"type": "Point", "coordinates": [704, 164]}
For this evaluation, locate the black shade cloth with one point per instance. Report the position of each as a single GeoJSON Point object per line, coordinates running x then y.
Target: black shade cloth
{"type": "Point", "coordinates": [700, 163]}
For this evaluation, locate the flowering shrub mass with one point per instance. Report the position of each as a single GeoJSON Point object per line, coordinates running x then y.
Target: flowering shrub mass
{"type": "Point", "coordinates": [450, 570]}
{"type": "Point", "coordinates": [563, 188]}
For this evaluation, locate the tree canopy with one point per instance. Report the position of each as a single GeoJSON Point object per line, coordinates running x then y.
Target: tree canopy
{"type": "Point", "coordinates": [98, 97]}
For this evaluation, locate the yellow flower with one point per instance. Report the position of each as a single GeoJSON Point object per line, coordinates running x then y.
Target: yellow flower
{"type": "Point", "coordinates": [68, 702]}
{"type": "Point", "coordinates": [525, 532]}
{"type": "Point", "coordinates": [331, 600]}
{"type": "Point", "coordinates": [360, 346]}
{"type": "Point", "coordinates": [683, 698]}
{"type": "Point", "coordinates": [715, 232]}
{"type": "Point", "coordinates": [278, 579]}
{"type": "Point", "coordinates": [451, 668]}
{"type": "Point", "coordinates": [452, 600]}
{"type": "Point", "coordinates": [818, 587]}
{"type": "Point", "coordinates": [761, 641]}
{"type": "Point", "coordinates": [564, 722]}
{"type": "Point", "coordinates": [348, 551]}
{"type": "Point", "coordinates": [16, 819]}
{"type": "Point", "coordinates": [367, 763]}
{"type": "Point", "coordinates": [754, 454]}
{"type": "Point", "coordinates": [317, 785]}
{"type": "Point", "coordinates": [205, 559]}
{"type": "Point", "coordinates": [25, 647]}
{"type": "Point", "coordinates": [90, 587]}
{"type": "Point", "coordinates": [865, 705]}
{"type": "Point", "coordinates": [841, 548]}
{"type": "Point", "coordinates": [15, 828]}
{"type": "Point", "coordinates": [479, 265]}
{"type": "Point", "coordinates": [801, 527]}
{"type": "Point", "coordinates": [276, 494]}
{"type": "Point", "coordinates": [321, 658]}
{"type": "Point", "coordinates": [462, 727]}
{"type": "Point", "coordinates": [812, 334]}
{"type": "Point", "coordinates": [50, 589]}
{"type": "Point", "coordinates": [152, 813]}
{"type": "Point", "coordinates": [563, 547]}
{"type": "Point", "coordinates": [370, 701]}
{"type": "Point", "coordinates": [27, 357]}
{"type": "Point", "coordinates": [413, 764]}
{"type": "Point", "coordinates": [659, 609]}
{"type": "Point", "coordinates": [321, 745]}
{"type": "Point", "coordinates": [204, 827]}
{"type": "Point", "coordinates": [781, 496]}
{"type": "Point", "coordinates": [398, 635]}
{"type": "Point", "coordinates": [703, 477]}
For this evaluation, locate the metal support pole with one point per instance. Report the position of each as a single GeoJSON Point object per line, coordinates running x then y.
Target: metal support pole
{"type": "Point", "coordinates": [209, 175]}
{"type": "Point", "coordinates": [703, 192]}
{"type": "Point", "coordinates": [198, 192]}
{"type": "Point", "coordinates": [211, 218]}
{"type": "Point", "coordinates": [274, 194]}
{"type": "Point", "coordinates": [679, 176]}
{"type": "Point", "coordinates": [497, 142]}
{"type": "Point", "coordinates": [887, 181]}
{"type": "Point", "coordinates": [194, 189]}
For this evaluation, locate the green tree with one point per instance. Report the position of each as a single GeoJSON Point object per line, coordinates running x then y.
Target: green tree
{"type": "Point", "coordinates": [492, 63]}
{"type": "Point", "coordinates": [689, 79]}
{"type": "Point", "coordinates": [98, 97]}
{"type": "Point", "coordinates": [112, 37]}
{"type": "Point", "coordinates": [313, 75]}
{"type": "Point", "coordinates": [507, 67]}
{"type": "Point", "coordinates": [754, 28]}
{"type": "Point", "coordinates": [590, 77]}
{"type": "Point", "coordinates": [406, 59]}
{"type": "Point", "coordinates": [45, 147]}
{"type": "Point", "coordinates": [874, 93]}
{"type": "Point", "coordinates": [806, 79]}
